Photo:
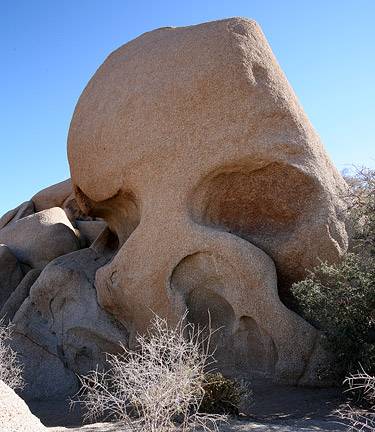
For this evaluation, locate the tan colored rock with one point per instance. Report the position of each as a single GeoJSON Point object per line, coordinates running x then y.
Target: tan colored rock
{"type": "Point", "coordinates": [192, 146]}
{"type": "Point", "coordinates": [23, 210]}
{"type": "Point", "coordinates": [15, 415]}
{"type": "Point", "coordinates": [38, 239]}
{"type": "Point", "coordinates": [58, 195]}
{"type": "Point", "coordinates": [52, 196]}
{"type": "Point", "coordinates": [10, 274]}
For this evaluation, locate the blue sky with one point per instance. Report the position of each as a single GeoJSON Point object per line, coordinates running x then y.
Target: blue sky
{"type": "Point", "coordinates": [50, 49]}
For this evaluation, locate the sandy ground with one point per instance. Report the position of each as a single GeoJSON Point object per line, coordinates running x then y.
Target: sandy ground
{"type": "Point", "coordinates": [283, 409]}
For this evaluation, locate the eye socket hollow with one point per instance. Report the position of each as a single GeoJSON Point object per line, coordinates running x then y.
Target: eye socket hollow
{"type": "Point", "coordinates": [257, 205]}
{"type": "Point", "coordinates": [273, 206]}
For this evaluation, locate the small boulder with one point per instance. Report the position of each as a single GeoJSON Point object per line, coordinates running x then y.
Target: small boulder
{"type": "Point", "coordinates": [52, 196]}
{"type": "Point", "coordinates": [39, 238]}
{"type": "Point", "coordinates": [66, 297]}
{"type": "Point", "coordinates": [45, 372]}
{"type": "Point", "coordinates": [15, 415]}
{"type": "Point", "coordinates": [61, 330]}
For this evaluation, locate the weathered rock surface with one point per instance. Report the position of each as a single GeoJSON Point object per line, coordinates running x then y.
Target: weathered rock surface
{"type": "Point", "coordinates": [37, 239]}
{"type": "Point", "coordinates": [10, 274]}
{"type": "Point", "coordinates": [61, 329]}
{"type": "Point", "coordinates": [52, 196]}
{"type": "Point", "coordinates": [199, 157]}
{"type": "Point", "coordinates": [45, 371]}
{"type": "Point", "coordinates": [216, 193]}
{"type": "Point", "coordinates": [15, 415]}
{"type": "Point", "coordinates": [66, 297]}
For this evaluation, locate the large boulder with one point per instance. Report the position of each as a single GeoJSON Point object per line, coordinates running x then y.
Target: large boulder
{"type": "Point", "coordinates": [39, 351]}
{"type": "Point", "coordinates": [193, 147]}
{"type": "Point", "coordinates": [37, 239]}
{"type": "Point", "coordinates": [60, 330]}
{"type": "Point", "coordinates": [15, 415]}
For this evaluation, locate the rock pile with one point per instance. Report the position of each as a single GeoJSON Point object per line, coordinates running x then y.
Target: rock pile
{"type": "Point", "coordinates": [47, 274]}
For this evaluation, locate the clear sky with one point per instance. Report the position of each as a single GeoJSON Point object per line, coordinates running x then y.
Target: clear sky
{"type": "Point", "coordinates": [51, 48]}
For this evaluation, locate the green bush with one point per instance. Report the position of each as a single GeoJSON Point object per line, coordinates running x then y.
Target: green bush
{"type": "Point", "coordinates": [362, 211]}
{"type": "Point", "coordinates": [339, 298]}
{"type": "Point", "coordinates": [222, 395]}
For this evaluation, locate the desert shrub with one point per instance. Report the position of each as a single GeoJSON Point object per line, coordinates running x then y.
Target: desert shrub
{"type": "Point", "coordinates": [149, 389]}
{"type": "Point", "coordinates": [339, 298]}
{"type": "Point", "coordinates": [223, 395]}
{"type": "Point", "coordinates": [10, 367]}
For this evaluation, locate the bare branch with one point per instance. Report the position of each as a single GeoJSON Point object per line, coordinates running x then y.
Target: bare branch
{"type": "Point", "coordinates": [10, 367]}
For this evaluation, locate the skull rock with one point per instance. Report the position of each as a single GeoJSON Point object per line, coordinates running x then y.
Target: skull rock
{"type": "Point", "coordinates": [192, 146]}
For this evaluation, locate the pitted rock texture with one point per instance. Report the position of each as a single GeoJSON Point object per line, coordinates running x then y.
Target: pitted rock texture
{"type": "Point", "coordinates": [15, 415]}
{"type": "Point", "coordinates": [192, 146]}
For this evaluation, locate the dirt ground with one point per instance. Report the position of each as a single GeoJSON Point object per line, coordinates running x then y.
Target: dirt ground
{"type": "Point", "coordinates": [274, 408]}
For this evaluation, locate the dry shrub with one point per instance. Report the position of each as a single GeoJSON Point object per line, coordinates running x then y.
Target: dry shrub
{"type": "Point", "coordinates": [10, 367]}
{"type": "Point", "coordinates": [363, 385]}
{"type": "Point", "coordinates": [157, 388]}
